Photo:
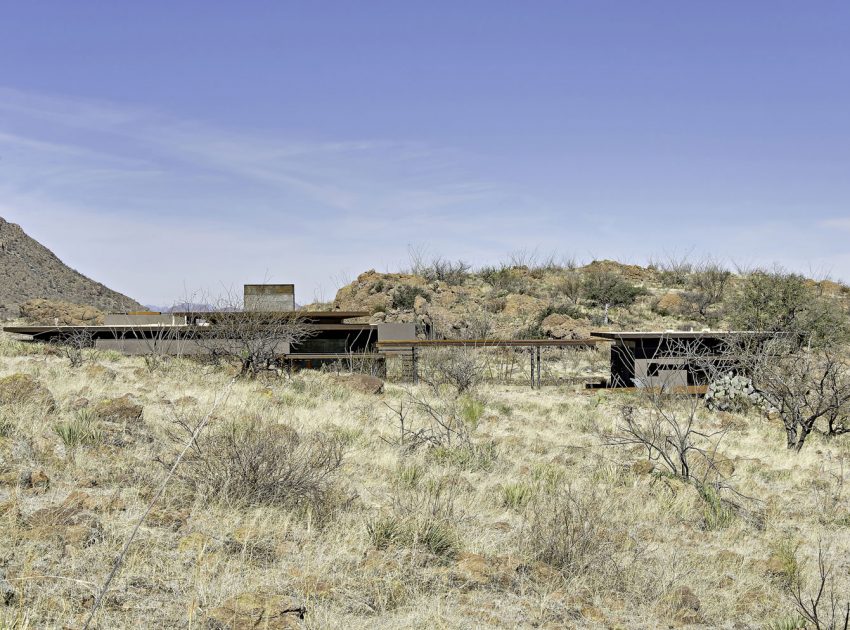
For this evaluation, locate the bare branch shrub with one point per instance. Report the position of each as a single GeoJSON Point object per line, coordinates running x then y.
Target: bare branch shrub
{"type": "Point", "coordinates": [461, 368]}
{"type": "Point", "coordinates": [76, 346]}
{"type": "Point", "coordinates": [254, 340]}
{"type": "Point", "coordinates": [571, 533]}
{"type": "Point", "coordinates": [251, 462]}
{"type": "Point", "coordinates": [672, 270]}
{"type": "Point", "coordinates": [570, 286]}
{"type": "Point", "coordinates": [707, 284]}
{"type": "Point", "coordinates": [801, 385]}
{"type": "Point", "coordinates": [826, 606]}
{"type": "Point", "coordinates": [439, 422]}
{"type": "Point", "coordinates": [452, 272]}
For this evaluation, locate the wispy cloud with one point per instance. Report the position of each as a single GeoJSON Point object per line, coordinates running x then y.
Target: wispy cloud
{"type": "Point", "coordinates": [128, 183]}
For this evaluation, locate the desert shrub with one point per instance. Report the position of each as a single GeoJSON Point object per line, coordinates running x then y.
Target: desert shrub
{"type": "Point", "coordinates": [504, 279]}
{"type": "Point", "coordinates": [672, 271]}
{"type": "Point", "coordinates": [716, 513]}
{"type": "Point", "coordinates": [707, 286]}
{"type": "Point", "coordinates": [607, 288]}
{"type": "Point", "coordinates": [252, 462]}
{"type": "Point", "coordinates": [453, 272]}
{"type": "Point", "coordinates": [424, 518]}
{"type": "Point", "coordinates": [567, 531]}
{"type": "Point", "coordinates": [515, 495]}
{"type": "Point", "coordinates": [469, 456]}
{"type": "Point", "coordinates": [78, 431]}
{"type": "Point", "coordinates": [405, 296]}
{"type": "Point", "coordinates": [460, 368]}
{"type": "Point", "coordinates": [778, 301]}
{"type": "Point", "coordinates": [570, 286]}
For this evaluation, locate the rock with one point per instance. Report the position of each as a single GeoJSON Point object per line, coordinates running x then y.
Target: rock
{"type": "Point", "coordinates": [474, 568]}
{"type": "Point", "coordinates": [420, 303]}
{"type": "Point", "coordinates": [70, 520]}
{"type": "Point", "coordinates": [643, 467]}
{"type": "Point", "coordinates": [362, 383]}
{"type": "Point", "coordinates": [99, 372]}
{"type": "Point", "coordinates": [119, 410]}
{"type": "Point", "coordinates": [95, 503]}
{"type": "Point", "coordinates": [8, 596]}
{"type": "Point", "coordinates": [685, 605]}
{"type": "Point", "coordinates": [35, 480]}
{"type": "Point", "coordinates": [670, 304]}
{"type": "Point", "coordinates": [561, 326]}
{"type": "Point", "coordinates": [79, 403]}
{"type": "Point", "coordinates": [23, 389]}
{"type": "Point", "coordinates": [55, 312]}
{"type": "Point", "coordinates": [248, 611]}
{"type": "Point", "coordinates": [519, 305]}
{"type": "Point", "coordinates": [168, 518]}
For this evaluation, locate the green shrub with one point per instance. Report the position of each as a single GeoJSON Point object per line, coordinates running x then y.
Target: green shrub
{"type": "Point", "coordinates": [516, 495]}
{"type": "Point", "coordinates": [405, 296]}
{"type": "Point", "coordinates": [78, 431]}
{"type": "Point", "coordinates": [716, 513]}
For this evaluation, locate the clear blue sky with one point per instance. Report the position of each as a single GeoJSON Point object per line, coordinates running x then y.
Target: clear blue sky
{"type": "Point", "coordinates": [164, 146]}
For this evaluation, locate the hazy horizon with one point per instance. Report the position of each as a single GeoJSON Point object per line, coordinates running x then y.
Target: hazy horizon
{"type": "Point", "coordinates": [162, 149]}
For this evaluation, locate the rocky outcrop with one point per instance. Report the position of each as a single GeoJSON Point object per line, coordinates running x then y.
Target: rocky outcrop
{"type": "Point", "coordinates": [57, 313]}
{"type": "Point", "coordinates": [24, 389]}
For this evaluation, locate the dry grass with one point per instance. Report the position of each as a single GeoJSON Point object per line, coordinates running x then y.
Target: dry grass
{"type": "Point", "coordinates": [556, 530]}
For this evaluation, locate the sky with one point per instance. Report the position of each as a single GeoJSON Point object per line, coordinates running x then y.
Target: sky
{"type": "Point", "coordinates": [165, 148]}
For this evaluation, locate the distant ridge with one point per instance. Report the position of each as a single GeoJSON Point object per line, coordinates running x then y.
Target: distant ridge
{"type": "Point", "coordinates": [29, 270]}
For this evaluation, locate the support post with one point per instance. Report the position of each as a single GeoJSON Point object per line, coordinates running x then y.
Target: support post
{"type": "Point", "coordinates": [415, 366]}
{"type": "Point", "coordinates": [538, 367]}
{"type": "Point", "coordinates": [531, 355]}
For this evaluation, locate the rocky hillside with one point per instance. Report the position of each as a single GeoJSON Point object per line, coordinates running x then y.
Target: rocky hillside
{"type": "Point", "coordinates": [28, 270]}
{"type": "Point", "coordinates": [553, 301]}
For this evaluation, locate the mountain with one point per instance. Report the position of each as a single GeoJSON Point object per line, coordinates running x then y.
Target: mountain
{"type": "Point", "coordinates": [28, 270]}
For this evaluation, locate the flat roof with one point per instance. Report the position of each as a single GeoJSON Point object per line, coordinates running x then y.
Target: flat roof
{"type": "Point", "coordinates": [402, 343]}
{"type": "Point", "coordinates": [680, 334]}
{"type": "Point", "coordinates": [39, 330]}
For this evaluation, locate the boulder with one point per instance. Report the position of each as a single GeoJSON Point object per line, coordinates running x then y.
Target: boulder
{"type": "Point", "coordinates": [119, 410]}
{"type": "Point", "coordinates": [670, 303]}
{"type": "Point", "coordinates": [643, 467]}
{"type": "Point", "coordinates": [519, 305]}
{"type": "Point", "coordinates": [69, 520]}
{"type": "Point", "coordinates": [248, 611]}
{"type": "Point", "coordinates": [24, 389]}
{"type": "Point", "coordinates": [8, 596]}
{"type": "Point", "coordinates": [685, 605]}
{"type": "Point", "coordinates": [362, 383]}
{"type": "Point", "coordinates": [34, 480]}
{"type": "Point", "coordinates": [55, 312]}
{"type": "Point", "coordinates": [560, 326]}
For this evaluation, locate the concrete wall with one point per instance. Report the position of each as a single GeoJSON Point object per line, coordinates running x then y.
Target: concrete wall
{"type": "Point", "coordinates": [396, 331]}
{"type": "Point", "coordinates": [172, 347]}
{"type": "Point", "coordinates": [123, 319]}
{"type": "Point", "coordinates": [269, 297]}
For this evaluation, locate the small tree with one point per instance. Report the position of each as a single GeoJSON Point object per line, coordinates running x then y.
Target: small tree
{"type": "Point", "coordinates": [707, 286]}
{"type": "Point", "coordinates": [778, 301]}
{"type": "Point", "coordinates": [253, 339]}
{"type": "Point", "coordinates": [607, 289]}
{"type": "Point", "coordinates": [802, 385]}
{"type": "Point", "coordinates": [570, 286]}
